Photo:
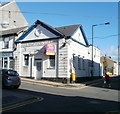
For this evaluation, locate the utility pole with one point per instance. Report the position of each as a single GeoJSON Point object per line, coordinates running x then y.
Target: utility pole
{"type": "Point", "coordinates": [93, 44]}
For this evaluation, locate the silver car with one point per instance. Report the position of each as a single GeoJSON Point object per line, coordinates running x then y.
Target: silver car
{"type": "Point", "coordinates": [10, 78]}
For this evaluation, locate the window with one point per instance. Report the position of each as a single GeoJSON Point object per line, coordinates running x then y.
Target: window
{"type": "Point", "coordinates": [83, 62]}
{"type": "Point", "coordinates": [11, 72]}
{"type": "Point", "coordinates": [26, 60]}
{"type": "Point", "coordinates": [5, 42]}
{"type": "Point", "coordinates": [79, 62]}
{"type": "Point", "coordinates": [11, 62]}
{"type": "Point", "coordinates": [5, 62]}
{"type": "Point", "coordinates": [74, 61]}
{"type": "Point", "coordinates": [52, 61]}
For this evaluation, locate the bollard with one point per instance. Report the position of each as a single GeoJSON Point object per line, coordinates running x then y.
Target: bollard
{"type": "Point", "coordinates": [73, 77]}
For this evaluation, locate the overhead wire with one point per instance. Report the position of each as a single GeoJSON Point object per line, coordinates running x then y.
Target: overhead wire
{"type": "Point", "coordinates": [60, 14]}
{"type": "Point", "coordinates": [28, 12]}
{"type": "Point", "coordinates": [104, 37]}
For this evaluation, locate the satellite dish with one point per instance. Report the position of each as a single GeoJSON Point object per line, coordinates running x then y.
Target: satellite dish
{"type": "Point", "coordinates": [5, 24]}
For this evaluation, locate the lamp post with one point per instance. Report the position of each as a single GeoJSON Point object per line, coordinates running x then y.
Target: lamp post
{"type": "Point", "coordinates": [92, 42]}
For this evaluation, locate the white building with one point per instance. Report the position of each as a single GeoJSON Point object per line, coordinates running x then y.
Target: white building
{"type": "Point", "coordinates": [108, 65]}
{"type": "Point", "coordinates": [12, 24]}
{"type": "Point", "coordinates": [54, 53]}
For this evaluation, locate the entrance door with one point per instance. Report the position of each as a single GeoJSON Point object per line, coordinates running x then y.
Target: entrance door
{"type": "Point", "coordinates": [39, 69]}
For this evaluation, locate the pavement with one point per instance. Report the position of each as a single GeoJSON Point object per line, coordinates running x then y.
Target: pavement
{"type": "Point", "coordinates": [60, 84]}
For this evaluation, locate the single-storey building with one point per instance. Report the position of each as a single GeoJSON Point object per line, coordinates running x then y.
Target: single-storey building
{"type": "Point", "coordinates": [45, 52]}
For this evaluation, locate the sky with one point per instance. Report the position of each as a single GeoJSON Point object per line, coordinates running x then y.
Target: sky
{"type": "Point", "coordinates": [59, 14]}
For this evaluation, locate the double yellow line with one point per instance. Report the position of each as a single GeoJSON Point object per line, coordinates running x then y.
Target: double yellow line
{"type": "Point", "coordinates": [21, 104]}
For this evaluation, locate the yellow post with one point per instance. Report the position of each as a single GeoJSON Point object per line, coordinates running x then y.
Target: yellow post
{"type": "Point", "coordinates": [73, 77]}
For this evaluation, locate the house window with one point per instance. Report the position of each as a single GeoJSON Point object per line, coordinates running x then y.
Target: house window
{"type": "Point", "coordinates": [79, 62]}
{"type": "Point", "coordinates": [51, 61]}
{"type": "Point", "coordinates": [74, 61]}
{"type": "Point", "coordinates": [83, 62]}
{"type": "Point", "coordinates": [26, 60]}
{"type": "Point", "coordinates": [5, 42]}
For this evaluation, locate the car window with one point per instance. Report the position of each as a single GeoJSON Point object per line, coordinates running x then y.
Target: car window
{"type": "Point", "coordinates": [13, 73]}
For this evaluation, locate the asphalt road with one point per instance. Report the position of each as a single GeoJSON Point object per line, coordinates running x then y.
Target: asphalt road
{"type": "Point", "coordinates": [31, 97]}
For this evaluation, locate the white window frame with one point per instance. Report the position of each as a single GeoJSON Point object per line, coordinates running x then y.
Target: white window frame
{"type": "Point", "coordinates": [49, 60]}
{"type": "Point", "coordinates": [6, 41]}
{"type": "Point", "coordinates": [26, 61]}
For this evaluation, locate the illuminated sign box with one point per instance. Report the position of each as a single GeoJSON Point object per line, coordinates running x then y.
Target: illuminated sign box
{"type": "Point", "coordinates": [50, 49]}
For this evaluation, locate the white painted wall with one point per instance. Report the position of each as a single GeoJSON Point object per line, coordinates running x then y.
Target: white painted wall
{"type": "Point", "coordinates": [78, 36]}
{"type": "Point", "coordinates": [11, 13]}
{"type": "Point", "coordinates": [30, 49]}
{"type": "Point", "coordinates": [41, 32]}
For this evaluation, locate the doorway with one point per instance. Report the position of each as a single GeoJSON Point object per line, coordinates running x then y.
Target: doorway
{"type": "Point", "coordinates": [39, 69]}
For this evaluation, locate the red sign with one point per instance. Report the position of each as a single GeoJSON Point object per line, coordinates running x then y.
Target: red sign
{"type": "Point", "coordinates": [50, 49]}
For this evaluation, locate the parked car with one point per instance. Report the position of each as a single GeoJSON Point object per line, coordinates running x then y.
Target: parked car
{"type": "Point", "coordinates": [10, 78]}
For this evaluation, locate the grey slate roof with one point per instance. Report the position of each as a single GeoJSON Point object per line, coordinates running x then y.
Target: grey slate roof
{"type": "Point", "coordinates": [12, 31]}
{"type": "Point", "coordinates": [68, 30]}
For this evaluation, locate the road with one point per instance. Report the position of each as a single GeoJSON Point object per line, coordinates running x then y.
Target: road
{"type": "Point", "coordinates": [41, 98]}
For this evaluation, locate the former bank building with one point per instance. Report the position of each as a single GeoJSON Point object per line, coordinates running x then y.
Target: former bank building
{"type": "Point", "coordinates": [46, 52]}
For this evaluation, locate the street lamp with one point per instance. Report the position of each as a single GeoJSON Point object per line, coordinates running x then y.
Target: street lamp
{"type": "Point", "coordinates": [92, 42]}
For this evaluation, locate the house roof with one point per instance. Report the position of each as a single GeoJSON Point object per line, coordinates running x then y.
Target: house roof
{"type": "Point", "coordinates": [48, 27]}
{"type": "Point", "coordinates": [12, 31]}
{"type": "Point", "coordinates": [60, 32]}
{"type": "Point", "coordinates": [4, 4]}
{"type": "Point", "coordinates": [68, 30]}
{"type": "Point", "coordinates": [1, 5]}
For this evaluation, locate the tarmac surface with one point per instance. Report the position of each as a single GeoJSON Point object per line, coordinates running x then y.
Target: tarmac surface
{"type": "Point", "coordinates": [10, 97]}
{"type": "Point", "coordinates": [14, 98]}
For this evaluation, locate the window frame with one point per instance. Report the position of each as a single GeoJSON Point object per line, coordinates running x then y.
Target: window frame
{"type": "Point", "coordinates": [50, 59]}
{"type": "Point", "coordinates": [6, 42]}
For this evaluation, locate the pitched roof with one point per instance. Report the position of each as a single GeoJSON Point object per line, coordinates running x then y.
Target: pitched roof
{"type": "Point", "coordinates": [68, 30]}
{"type": "Point", "coordinates": [12, 31]}
{"type": "Point", "coordinates": [49, 26]}
{"type": "Point", "coordinates": [6, 3]}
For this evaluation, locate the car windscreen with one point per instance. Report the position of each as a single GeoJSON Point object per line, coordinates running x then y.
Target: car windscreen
{"type": "Point", "coordinates": [12, 73]}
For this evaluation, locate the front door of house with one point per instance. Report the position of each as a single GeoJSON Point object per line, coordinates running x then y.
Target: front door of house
{"type": "Point", "coordinates": [39, 69]}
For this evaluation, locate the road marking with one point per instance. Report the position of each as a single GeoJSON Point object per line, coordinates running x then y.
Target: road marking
{"type": "Point", "coordinates": [21, 104]}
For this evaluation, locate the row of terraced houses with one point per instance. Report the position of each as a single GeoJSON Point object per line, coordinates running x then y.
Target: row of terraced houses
{"type": "Point", "coordinates": [41, 51]}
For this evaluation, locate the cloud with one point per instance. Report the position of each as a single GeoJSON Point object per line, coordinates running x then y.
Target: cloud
{"type": "Point", "coordinates": [111, 51]}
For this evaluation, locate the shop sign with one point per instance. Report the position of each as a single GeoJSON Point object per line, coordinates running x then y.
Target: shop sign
{"type": "Point", "coordinates": [50, 49]}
